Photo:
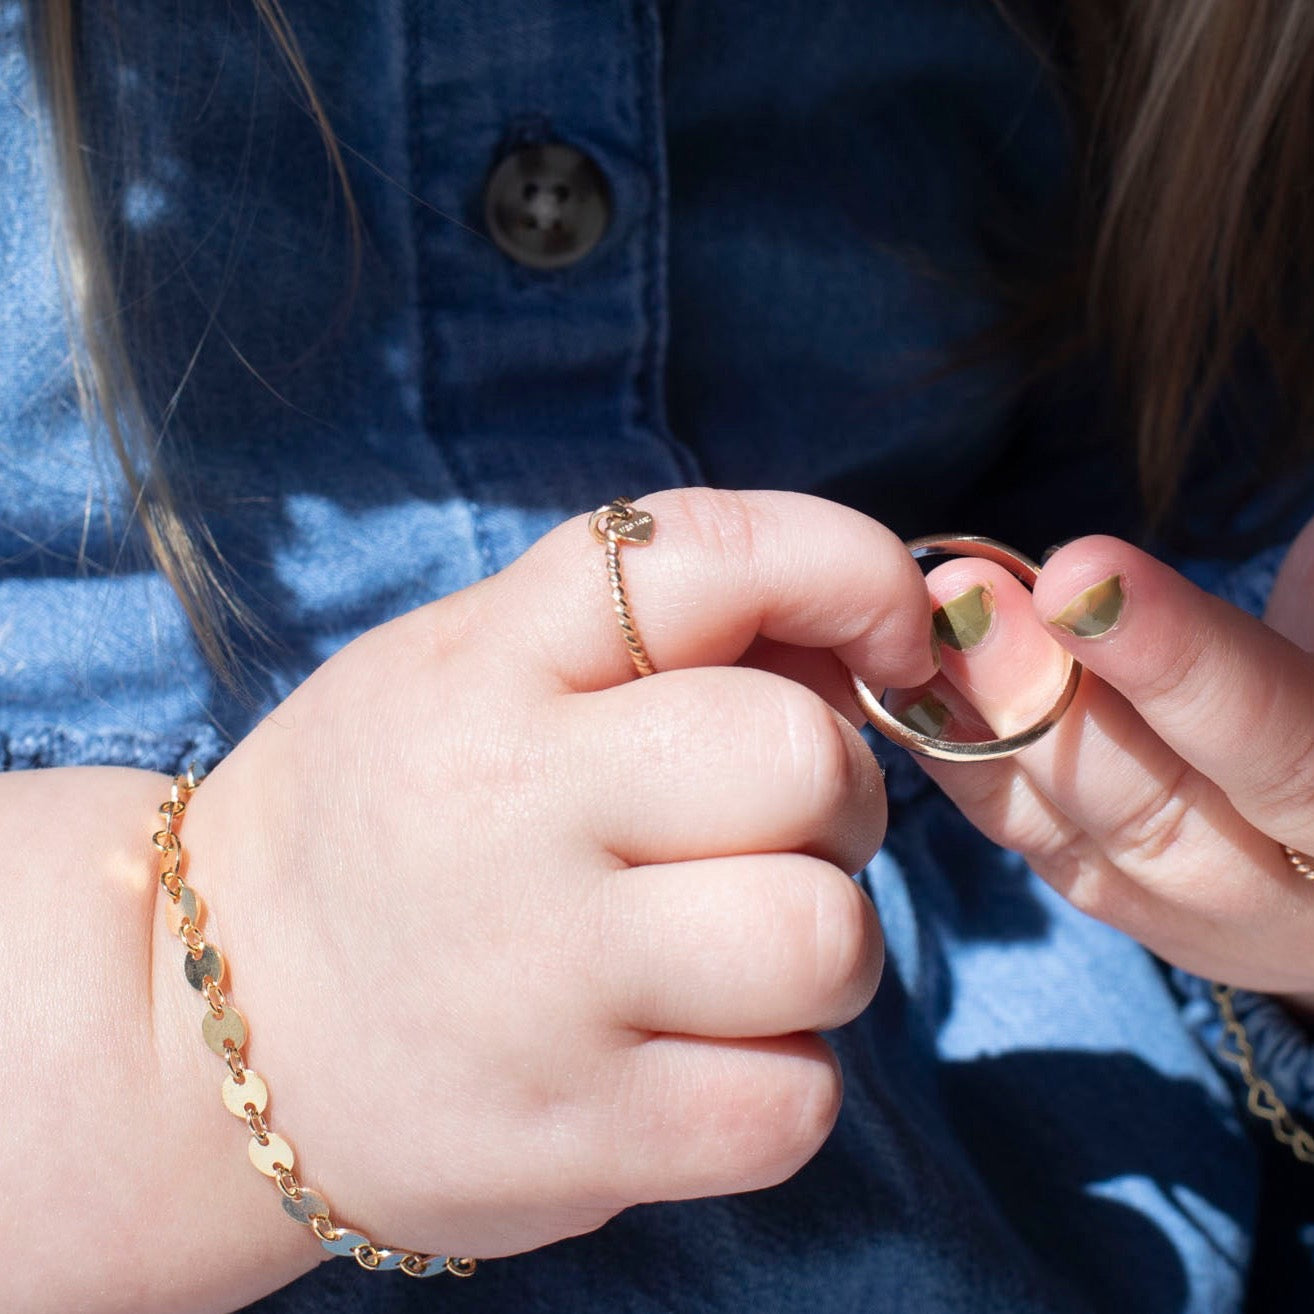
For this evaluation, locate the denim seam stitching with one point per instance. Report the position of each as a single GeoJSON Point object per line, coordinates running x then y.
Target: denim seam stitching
{"type": "Point", "coordinates": [648, 373]}
{"type": "Point", "coordinates": [423, 300]}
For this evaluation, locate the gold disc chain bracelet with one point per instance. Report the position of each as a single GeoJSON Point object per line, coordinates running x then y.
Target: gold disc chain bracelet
{"type": "Point", "coordinates": [244, 1092]}
{"type": "Point", "coordinates": [1261, 1099]}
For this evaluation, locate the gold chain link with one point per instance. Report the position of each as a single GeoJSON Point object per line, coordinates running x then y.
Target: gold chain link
{"type": "Point", "coordinates": [1261, 1099]}
{"type": "Point", "coordinates": [334, 1238]}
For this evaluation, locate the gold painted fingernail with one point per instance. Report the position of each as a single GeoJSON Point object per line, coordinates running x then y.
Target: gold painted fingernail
{"type": "Point", "coordinates": [935, 646]}
{"type": "Point", "coordinates": [964, 621]}
{"type": "Point", "coordinates": [1094, 611]}
{"type": "Point", "coordinates": [928, 715]}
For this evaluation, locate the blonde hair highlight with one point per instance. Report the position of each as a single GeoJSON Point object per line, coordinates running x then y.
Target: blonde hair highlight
{"type": "Point", "coordinates": [1201, 117]}
{"type": "Point", "coordinates": [106, 381]}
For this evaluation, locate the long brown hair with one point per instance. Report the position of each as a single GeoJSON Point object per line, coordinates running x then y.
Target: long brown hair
{"type": "Point", "coordinates": [106, 381]}
{"type": "Point", "coordinates": [1198, 234]}
{"type": "Point", "coordinates": [1200, 212]}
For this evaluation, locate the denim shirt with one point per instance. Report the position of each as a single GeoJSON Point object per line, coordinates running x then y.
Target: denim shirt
{"type": "Point", "coordinates": [809, 201]}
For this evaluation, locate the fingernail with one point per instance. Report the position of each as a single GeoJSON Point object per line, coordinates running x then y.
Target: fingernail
{"type": "Point", "coordinates": [1094, 611]}
{"type": "Point", "coordinates": [936, 656]}
{"type": "Point", "coordinates": [964, 621]}
{"type": "Point", "coordinates": [928, 715]}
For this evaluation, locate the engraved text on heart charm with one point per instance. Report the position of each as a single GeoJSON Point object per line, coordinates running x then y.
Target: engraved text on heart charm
{"type": "Point", "coordinates": [634, 527]}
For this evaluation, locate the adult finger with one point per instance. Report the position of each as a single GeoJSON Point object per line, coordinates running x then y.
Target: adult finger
{"type": "Point", "coordinates": [1118, 784]}
{"type": "Point", "coordinates": [1107, 811]}
{"type": "Point", "coordinates": [759, 945]}
{"type": "Point", "coordinates": [993, 652]}
{"type": "Point", "coordinates": [1288, 610]}
{"type": "Point", "coordinates": [721, 569]}
{"type": "Point", "coordinates": [1231, 697]}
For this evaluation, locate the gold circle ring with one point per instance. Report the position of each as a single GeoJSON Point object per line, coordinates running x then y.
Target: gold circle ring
{"type": "Point", "coordinates": [984, 750]}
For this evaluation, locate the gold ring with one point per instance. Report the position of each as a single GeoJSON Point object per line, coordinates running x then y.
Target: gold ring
{"type": "Point", "coordinates": [616, 523]}
{"type": "Point", "coordinates": [984, 750]}
{"type": "Point", "coordinates": [1302, 862]}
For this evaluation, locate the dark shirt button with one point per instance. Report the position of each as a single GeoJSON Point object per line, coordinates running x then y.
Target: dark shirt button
{"type": "Point", "coordinates": [547, 206]}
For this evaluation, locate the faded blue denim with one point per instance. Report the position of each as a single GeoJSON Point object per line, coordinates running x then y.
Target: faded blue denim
{"type": "Point", "coordinates": [814, 200]}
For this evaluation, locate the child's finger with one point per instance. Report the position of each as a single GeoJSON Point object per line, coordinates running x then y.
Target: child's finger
{"type": "Point", "coordinates": [1232, 698]}
{"type": "Point", "coordinates": [735, 1115]}
{"type": "Point", "coordinates": [751, 945]}
{"type": "Point", "coordinates": [721, 569]}
{"type": "Point", "coordinates": [816, 668]}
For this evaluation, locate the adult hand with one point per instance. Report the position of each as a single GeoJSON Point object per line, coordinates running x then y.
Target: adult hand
{"type": "Point", "coordinates": [1161, 801]}
{"type": "Point", "coordinates": [522, 940]}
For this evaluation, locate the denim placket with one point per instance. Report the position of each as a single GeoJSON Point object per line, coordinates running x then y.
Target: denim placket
{"type": "Point", "coordinates": [543, 388]}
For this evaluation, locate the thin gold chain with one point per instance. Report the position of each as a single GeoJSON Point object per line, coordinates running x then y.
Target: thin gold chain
{"type": "Point", "coordinates": [1261, 1099]}
{"type": "Point", "coordinates": [245, 1094]}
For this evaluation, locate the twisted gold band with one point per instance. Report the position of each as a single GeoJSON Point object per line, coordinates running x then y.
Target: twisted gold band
{"type": "Point", "coordinates": [1301, 862]}
{"type": "Point", "coordinates": [616, 523]}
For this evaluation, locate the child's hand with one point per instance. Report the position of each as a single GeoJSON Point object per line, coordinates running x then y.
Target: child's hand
{"type": "Point", "coordinates": [1161, 802]}
{"type": "Point", "coordinates": [522, 940]}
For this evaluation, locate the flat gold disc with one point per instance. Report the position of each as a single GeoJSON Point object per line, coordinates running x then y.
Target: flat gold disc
{"type": "Point", "coordinates": [221, 1032]}
{"type": "Point", "coordinates": [345, 1242]}
{"type": "Point", "coordinates": [251, 1091]}
{"type": "Point", "coordinates": [310, 1204]}
{"type": "Point", "coordinates": [189, 905]}
{"type": "Point", "coordinates": [210, 963]}
{"type": "Point", "coordinates": [266, 1157]}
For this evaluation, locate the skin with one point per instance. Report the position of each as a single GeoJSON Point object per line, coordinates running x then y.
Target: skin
{"type": "Point", "coordinates": [1160, 802]}
{"type": "Point", "coordinates": [512, 954]}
